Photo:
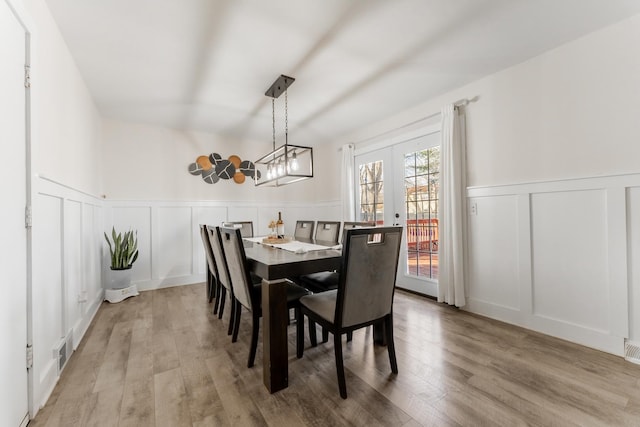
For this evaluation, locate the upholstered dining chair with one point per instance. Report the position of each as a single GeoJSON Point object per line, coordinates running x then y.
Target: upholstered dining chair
{"type": "Point", "coordinates": [223, 276]}
{"type": "Point", "coordinates": [248, 294]}
{"type": "Point", "coordinates": [364, 295]}
{"type": "Point", "coordinates": [304, 230]}
{"type": "Point", "coordinates": [349, 225]}
{"type": "Point", "coordinates": [327, 231]}
{"type": "Point", "coordinates": [246, 227]}
{"type": "Point", "coordinates": [212, 274]}
{"type": "Point", "coordinates": [328, 280]}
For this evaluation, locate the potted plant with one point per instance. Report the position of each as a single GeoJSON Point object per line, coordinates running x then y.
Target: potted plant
{"type": "Point", "coordinates": [123, 249]}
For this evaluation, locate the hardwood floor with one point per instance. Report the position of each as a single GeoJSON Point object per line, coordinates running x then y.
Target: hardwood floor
{"type": "Point", "coordinates": [163, 359]}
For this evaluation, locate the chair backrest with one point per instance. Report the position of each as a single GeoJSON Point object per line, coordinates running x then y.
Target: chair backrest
{"type": "Point", "coordinates": [367, 275]}
{"type": "Point", "coordinates": [218, 256]}
{"type": "Point", "coordinates": [243, 289]}
{"type": "Point", "coordinates": [304, 230]}
{"type": "Point", "coordinates": [349, 225]}
{"type": "Point", "coordinates": [246, 227]}
{"type": "Point", "coordinates": [211, 263]}
{"type": "Point", "coordinates": [328, 231]}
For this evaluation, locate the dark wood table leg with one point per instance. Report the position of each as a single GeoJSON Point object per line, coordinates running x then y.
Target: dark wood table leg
{"type": "Point", "coordinates": [275, 364]}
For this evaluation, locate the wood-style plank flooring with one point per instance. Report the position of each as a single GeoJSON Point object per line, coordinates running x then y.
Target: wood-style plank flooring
{"type": "Point", "coordinates": [162, 359]}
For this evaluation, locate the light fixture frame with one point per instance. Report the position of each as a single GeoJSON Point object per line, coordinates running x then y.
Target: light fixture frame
{"type": "Point", "coordinates": [284, 154]}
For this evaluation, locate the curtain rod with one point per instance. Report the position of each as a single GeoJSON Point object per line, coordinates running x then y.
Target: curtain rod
{"type": "Point", "coordinates": [459, 103]}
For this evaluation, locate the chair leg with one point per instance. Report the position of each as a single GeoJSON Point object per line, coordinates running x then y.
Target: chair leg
{"type": "Point", "coordinates": [312, 333]}
{"type": "Point", "coordinates": [300, 332]}
{"type": "Point", "coordinates": [342, 383]}
{"type": "Point", "coordinates": [325, 335]}
{"type": "Point", "coordinates": [209, 290]}
{"type": "Point", "coordinates": [390, 345]}
{"type": "Point", "coordinates": [349, 336]}
{"type": "Point", "coordinates": [237, 311]}
{"type": "Point", "coordinates": [216, 306]}
{"type": "Point", "coordinates": [254, 339]}
{"type": "Point", "coordinates": [223, 297]}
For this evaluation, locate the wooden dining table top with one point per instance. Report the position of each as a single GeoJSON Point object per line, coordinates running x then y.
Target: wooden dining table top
{"type": "Point", "coordinates": [273, 263]}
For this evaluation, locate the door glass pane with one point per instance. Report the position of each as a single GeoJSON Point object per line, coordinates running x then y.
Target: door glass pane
{"type": "Point", "coordinates": [371, 192]}
{"type": "Point", "coordinates": [421, 182]}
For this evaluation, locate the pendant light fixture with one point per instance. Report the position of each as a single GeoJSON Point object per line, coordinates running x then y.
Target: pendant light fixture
{"type": "Point", "coordinates": [288, 163]}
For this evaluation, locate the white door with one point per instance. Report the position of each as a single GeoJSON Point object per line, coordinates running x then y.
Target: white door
{"type": "Point", "coordinates": [13, 235]}
{"type": "Point", "coordinates": [399, 184]}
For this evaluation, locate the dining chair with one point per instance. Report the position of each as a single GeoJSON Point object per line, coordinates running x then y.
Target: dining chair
{"type": "Point", "coordinates": [349, 225]}
{"type": "Point", "coordinates": [246, 227]}
{"type": "Point", "coordinates": [248, 294]}
{"type": "Point", "coordinates": [364, 295]}
{"type": "Point", "coordinates": [212, 273]}
{"type": "Point", "coordinates": [327, 231]}
{"type": "Point", "coordinates": [328, 280]}
{"type": "Point", "coordinates": [304, 230]}
{"type": "Point", "coordinates": [223, 276]}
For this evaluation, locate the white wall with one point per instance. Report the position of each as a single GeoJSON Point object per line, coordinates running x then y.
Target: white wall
{"type": "Point", "coordinates": [569, 113]}
{"type": "Point", "coordinates": [67, 264]}
{"type": "Point", "coordinates": [66, 131]}
{"type": "Point", "coordinates": [552, 255]}
{"type": "Point", "coordinates": [146, 162]}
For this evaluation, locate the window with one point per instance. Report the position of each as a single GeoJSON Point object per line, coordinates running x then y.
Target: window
{"type": "Point", "coordinates": [421, 185]}
{"type": "Point", "coordinates": [371, 192]}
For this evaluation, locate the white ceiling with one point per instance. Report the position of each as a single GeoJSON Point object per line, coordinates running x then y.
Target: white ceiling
{"type": "Point", "coordinates": [205, 64]}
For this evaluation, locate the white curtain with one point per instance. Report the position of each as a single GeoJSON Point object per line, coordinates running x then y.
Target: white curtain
{"type": "Point", "coordinates": [347, 192]}
{"type": "Point", "coordinates": [451, 287]}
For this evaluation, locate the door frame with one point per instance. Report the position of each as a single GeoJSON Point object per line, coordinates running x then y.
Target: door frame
{"type": "Point", "coordinates": [19, 12]}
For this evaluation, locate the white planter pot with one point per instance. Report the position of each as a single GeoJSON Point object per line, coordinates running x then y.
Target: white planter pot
{"type": "Point", "coordinates": [118, 279]}
{"type": "Point", "coordinates": [118, 286]}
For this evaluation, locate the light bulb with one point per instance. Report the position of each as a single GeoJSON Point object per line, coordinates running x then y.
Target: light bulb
{"type": "Point", "coordinates": [294, 162]}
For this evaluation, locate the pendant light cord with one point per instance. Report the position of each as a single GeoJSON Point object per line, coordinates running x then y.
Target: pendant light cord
{"type": "Point", "coordinates": [273, 121]}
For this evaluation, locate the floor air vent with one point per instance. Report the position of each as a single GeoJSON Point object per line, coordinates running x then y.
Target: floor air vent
{"type": "Point", "coordinates": [63, 351]}
{"type": "Point", "coordinates": [632, 352]}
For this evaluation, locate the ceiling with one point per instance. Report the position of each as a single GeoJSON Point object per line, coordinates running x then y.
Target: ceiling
{"type": "Point", "coordinates": [205, 64]}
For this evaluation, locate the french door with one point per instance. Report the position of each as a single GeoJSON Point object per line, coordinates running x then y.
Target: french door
{"type": "Point", "coordinates": [399, 184]}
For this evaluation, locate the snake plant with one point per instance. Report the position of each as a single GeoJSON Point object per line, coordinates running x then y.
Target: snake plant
{"type": "Point", "coordinates": [124, 250]}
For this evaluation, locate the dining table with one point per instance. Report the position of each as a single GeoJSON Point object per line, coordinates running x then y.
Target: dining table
{"type": "Point", "coordinates": [274, 264]}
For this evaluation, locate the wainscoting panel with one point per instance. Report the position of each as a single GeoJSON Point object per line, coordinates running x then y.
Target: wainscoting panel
{"type": "Point", "coordinates": [171, 251]}
{"type": "Point", "coordinates": [244, 213]}
{"type": "Point", "coordinates": [570, 250]}
{"type": "Point", "coordinates": [73, 262]}
{"type": "Point", "coordinates": [633, 221]}
{"type": "Point", "coordinates": [91, 285]}
{"type": "Point", "coordinates": [66, 282]}
{"type": "Point", "coordinates": [47, 305]}
{"type": "Point", "coordinates": [173, 248]}
{"type": "Point", "coordinates": [493, 243]}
